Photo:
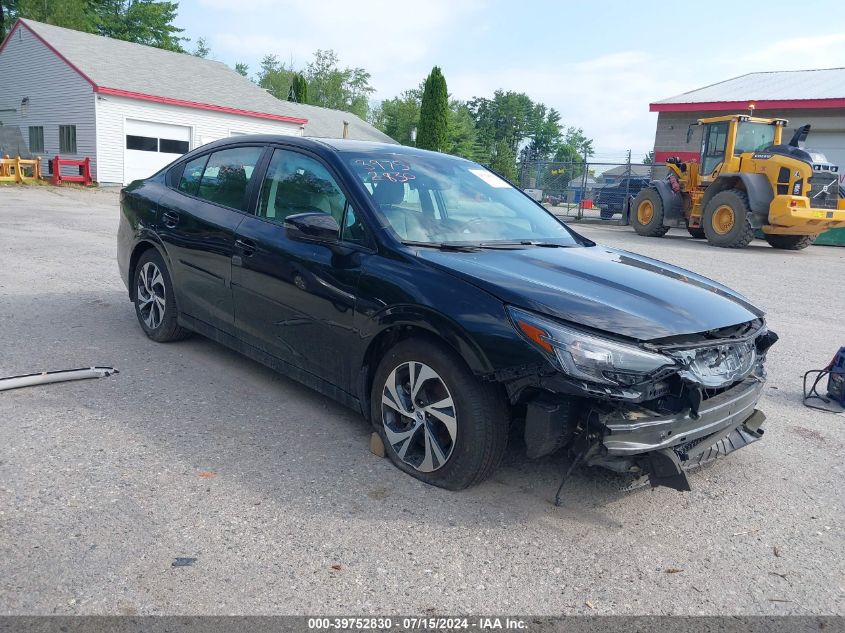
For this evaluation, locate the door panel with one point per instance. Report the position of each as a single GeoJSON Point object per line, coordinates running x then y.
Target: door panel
{"type": "Point", "coordinates": [199, 231]}
{"type": "Point", "coordinates": [296, 300]}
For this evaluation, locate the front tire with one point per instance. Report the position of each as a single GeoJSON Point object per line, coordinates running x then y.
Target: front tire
{"type": "Point", "coordinates": [439, 423]}
{"type": "Point", "coordinates": [790, 242]}
{"type": "Point", "coordinates": [155, 302]}
{"type": "Point", "coordinates": [727, 220]}
{"type": "Point", "coordinates": [647, 214]}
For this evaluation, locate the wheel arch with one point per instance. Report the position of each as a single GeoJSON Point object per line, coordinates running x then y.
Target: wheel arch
{"type": "Point", "coordinates": [400, 323]}
{"type": "Point", "coordinates": [671, 200]}
{"type": "Point", "coordinates": [139, 249]}
{"type": "Point", "coordinates": [756, 186]}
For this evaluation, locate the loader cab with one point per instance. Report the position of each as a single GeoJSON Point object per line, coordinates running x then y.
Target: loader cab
{"type": "Point", "coordinates": [726, 138]}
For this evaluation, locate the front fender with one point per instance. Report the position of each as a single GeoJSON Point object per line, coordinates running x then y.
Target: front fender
{"type": "Point", "coordinates": [757, 186]}
{"type": "Point", "coordinates": [437, 324]}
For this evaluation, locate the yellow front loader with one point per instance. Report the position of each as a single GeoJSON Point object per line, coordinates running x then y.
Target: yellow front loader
{"type": "Point", "coordinates": [746, 180]}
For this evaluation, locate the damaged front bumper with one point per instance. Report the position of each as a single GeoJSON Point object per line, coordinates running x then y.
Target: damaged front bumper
{"type": "Point", "coordinates": [664, 447]}
{"type": "Point", "coordinates": [677, 423]}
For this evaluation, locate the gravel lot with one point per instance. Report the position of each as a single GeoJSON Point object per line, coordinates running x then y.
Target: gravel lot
{"type": "Point", "coordinates": [194, 451]}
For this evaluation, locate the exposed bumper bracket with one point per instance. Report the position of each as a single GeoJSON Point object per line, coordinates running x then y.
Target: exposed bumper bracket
{"type": "Point", "coordinates": [664, 469]}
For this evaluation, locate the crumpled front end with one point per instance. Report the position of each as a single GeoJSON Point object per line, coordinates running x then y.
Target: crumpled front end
{"type": "Point", "coordinates": [698, 406]}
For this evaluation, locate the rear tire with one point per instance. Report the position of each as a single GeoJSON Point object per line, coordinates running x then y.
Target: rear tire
{"type": "Point", "coordinates": [155, 302]}
{"type": "Point", "coordinates": [647, 214]}
{"type": "Point", "coordinates": [463, 441]}
{"type": "Point", "coordinates": [790, 242]}
{"type": "Point", "coordinates": [727, 220]}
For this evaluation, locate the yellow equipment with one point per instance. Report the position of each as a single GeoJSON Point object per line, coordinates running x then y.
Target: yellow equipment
{"type": "Point", "coordinates": [746, 180]}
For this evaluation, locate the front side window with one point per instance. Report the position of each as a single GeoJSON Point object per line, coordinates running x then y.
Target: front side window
{"type": "Point", "coordinates": [67, 139]}
{"type": "Point", "coordinates": [227, 174]}
{"type": "Point", "coordinates": [753, 137]}
{"type": "Point", "coordinates": [439, 198]}
{"type": "Point", "coordinates": [36, 139]}
{"type": "Point", "coordinates": [296, 183]}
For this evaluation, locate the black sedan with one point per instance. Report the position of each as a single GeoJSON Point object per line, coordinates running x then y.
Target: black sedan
{"type": "Point", "coordinates": [443, 304]}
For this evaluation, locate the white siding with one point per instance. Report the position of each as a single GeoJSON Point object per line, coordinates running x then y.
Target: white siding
{"type": "Point", "coordinates": [58, 95]}
{"type": "Point", "coordinates": [206, 126]}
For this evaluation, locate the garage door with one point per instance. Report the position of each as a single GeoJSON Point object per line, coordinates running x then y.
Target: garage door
{"type": "Point", "coordinates": [150, 146]}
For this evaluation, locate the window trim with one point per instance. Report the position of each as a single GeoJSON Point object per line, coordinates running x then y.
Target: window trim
{"type": "Point", "coordinates": [372, 242]}
{"type": "Point", "coordinates": [75, 150]}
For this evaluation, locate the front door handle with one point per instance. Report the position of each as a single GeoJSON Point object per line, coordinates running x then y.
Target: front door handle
{"type": "Point", "coordinates": [247, 247]}
{"type": "Point", "coordinates": [170, 219]}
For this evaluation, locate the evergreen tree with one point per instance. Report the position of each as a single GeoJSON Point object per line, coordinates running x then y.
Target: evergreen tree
{"type": "Point", "coordinates": [433, 132]}
{"type": "Point", "coordinates": [242, 69]}
{"type": "Point", "coordinates": [202, 49]}
{"type": "Point", "coordinates": [298, 89]}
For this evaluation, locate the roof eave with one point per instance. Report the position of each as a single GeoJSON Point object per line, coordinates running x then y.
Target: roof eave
{"type": "Point", "coordinates": [740, 106]}
{"type": "Point", "coordinates": [117, 92]}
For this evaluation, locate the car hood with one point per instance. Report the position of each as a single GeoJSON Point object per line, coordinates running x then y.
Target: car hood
{"type": "Point", "coordinates": [602, 288]}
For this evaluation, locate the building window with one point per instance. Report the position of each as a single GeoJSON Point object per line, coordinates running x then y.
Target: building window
{"type": "Point", "coordinates": [171, 146]}
{"type": "Point", "coordinates": [142, 143]}
{"type": "Point", "coordinates": [67, 139]}
{"type": "Point", "coordinates": [36, 139]}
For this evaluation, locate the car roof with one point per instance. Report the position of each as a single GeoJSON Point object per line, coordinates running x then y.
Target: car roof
{"type": "Point", "coordinates": [336, 144]}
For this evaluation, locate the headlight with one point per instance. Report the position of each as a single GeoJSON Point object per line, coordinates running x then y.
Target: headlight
{"type": "Point", "coordinates": [586, 356]}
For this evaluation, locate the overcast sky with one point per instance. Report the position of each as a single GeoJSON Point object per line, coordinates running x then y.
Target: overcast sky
{"type": "Point", "coordinates": [599, 63]}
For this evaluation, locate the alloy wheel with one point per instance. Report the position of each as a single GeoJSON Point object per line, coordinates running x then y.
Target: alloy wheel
{"type": "Point", "coordinates": [418, 415]}
{"type": "Point", "coordinates": [151, 295]}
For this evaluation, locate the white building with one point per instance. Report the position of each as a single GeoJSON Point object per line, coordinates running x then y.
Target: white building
{"type": "Point", "coordinates": [133, 109]}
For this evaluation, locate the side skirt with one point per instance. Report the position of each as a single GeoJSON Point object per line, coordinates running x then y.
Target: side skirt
{"type": "Point", "coordinates": [291, 371]}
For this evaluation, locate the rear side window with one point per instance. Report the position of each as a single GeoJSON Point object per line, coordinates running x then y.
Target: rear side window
{"type": "Point", "coordinates": [192, 174]}
{"type": "Point", "coordinates": [227, 175]}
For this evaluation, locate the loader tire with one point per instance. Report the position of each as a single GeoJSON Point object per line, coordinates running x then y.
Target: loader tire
{"type": "Point", "coordinates": [790, 242]}
{"type": "Point", "coordinates": [727, 220]}
{"type": "Point", "coordinates": [647, 214]}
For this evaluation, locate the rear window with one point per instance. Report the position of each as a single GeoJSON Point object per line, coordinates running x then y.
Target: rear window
{"type": "Point", "coordinates": [192, 174]}
{"type": "Point", "coordinates": [221, 177]}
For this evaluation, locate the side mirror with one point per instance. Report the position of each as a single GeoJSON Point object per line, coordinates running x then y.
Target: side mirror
{"type": "Point", "coordinates": [312, 227]}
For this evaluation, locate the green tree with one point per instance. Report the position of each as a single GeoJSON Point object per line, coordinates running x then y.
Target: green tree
{"type": "Point", "coordinates": [275, 77]}
{"type": "Point", "coordinates": [8, 13]}
{"type": "Point", "coordinates": [72, 14]}
{"type": "Point", "coordinates": [504, 161]}
{"type": "Point", "coordinates": [202, 49]}
{"type": "Point", "coordinates": [331, 86]}
{"type": "Point", "coordinates": [242, 69]}
{"type": "Point", "coordinates": [433, 132]}
{"type": "Point", "coordinates": [399, 117]}
{"type": "Point", "coordinates": [298, 89]}
{"type": "Point", "coordinates": [147, 22]}
{"type": "Point", "coordinates": [648, 159]}
{"type": "Point", "coordinates": [463, 138]}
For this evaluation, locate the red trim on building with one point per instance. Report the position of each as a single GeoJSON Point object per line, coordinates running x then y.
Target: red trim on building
{"type": "Point", "coordinates": [742, 106]}
{"type": "Point", "coordinates": [687, 157]}
{"type": "Point", "coordinates": [201, 106]}
{"type": "Point", "coordinates": [146, 97]}
{"type": "Point", "coordinates": [18, 23]}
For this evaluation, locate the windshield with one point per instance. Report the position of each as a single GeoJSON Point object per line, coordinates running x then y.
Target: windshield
{"type": "Point", "coordinates": [753, 137]}
{"type": "Point", "coordinates": [438, 199]}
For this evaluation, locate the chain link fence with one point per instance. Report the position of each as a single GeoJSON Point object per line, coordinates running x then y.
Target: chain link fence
{"type": "Point", "coordinates": [588, 190]}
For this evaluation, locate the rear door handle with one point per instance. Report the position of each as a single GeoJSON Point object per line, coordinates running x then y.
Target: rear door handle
{"type": "Point", "coordinates": [247, 247]}
{"type": "Point", "coordinates": [170, 219]}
